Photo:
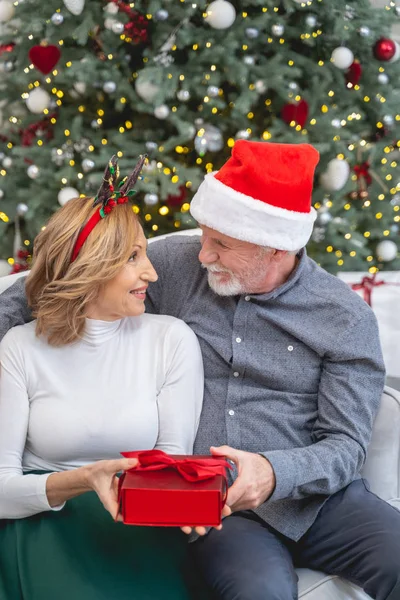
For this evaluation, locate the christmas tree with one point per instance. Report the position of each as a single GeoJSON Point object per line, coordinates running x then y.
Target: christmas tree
{"type": "Point", "coordinates": [181, 81]}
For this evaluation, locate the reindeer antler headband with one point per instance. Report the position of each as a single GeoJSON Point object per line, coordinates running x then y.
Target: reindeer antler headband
{"type": "Point", "coordinates": [108, 197]}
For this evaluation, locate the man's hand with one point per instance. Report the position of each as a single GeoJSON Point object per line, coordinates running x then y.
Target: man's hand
{"type": "Point", "coordinates": [255, 482]}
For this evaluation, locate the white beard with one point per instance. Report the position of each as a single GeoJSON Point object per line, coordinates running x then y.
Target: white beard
{"type": "Point", "coordinates": [233, 287]}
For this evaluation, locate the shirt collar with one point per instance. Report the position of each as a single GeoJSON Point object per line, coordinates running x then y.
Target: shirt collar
{"type": "Point", "coordinates": [302, 266]}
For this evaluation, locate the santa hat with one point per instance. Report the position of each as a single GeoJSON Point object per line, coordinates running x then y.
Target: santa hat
{"type": "Point", "coordinates": [262, 195]}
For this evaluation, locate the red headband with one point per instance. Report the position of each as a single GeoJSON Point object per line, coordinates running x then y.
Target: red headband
{"type": "Point", "coordinates": [108, 198]}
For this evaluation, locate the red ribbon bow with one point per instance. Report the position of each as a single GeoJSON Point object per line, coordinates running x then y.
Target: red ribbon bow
{"type": "Point", "coordinates": [367, 284]}
{"type": "Point", "coordinates": [190, 468]}
{"type": "Point", "coordinates": [362, 170]}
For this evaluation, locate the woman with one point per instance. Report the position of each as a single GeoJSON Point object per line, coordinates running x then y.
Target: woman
{"type": "Point", "coordinates": [92, 376]}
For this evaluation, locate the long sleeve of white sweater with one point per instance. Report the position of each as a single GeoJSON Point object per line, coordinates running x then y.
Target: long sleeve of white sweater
{"type": "Point", "coordinates": [133, 384]}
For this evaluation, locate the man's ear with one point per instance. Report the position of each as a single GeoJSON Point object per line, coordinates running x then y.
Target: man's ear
{"type": "Point", "coordinates": [278, 255]}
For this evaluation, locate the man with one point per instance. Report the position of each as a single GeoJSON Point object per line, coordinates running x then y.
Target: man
{"type": "Point", "coordinates": [293, 380]}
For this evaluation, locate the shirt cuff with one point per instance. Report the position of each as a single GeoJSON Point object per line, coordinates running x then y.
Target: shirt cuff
{"type": "Point", "coordinates": [284, 475]}
{"type": "Point", "coordinates": [42, 496]}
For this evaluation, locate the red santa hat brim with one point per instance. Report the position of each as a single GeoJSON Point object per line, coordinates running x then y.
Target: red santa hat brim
{"type": "Point", "coordinates": [242, 217]}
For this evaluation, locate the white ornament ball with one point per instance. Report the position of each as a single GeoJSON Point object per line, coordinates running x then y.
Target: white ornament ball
{"type": "Point", "coordinates": [386, 250]}
{"type": "Point", "coordinates": [109, 22]}
{"type": "Point", "coordinates": [146, 89]}
{"type": "Point", "coordinates": [336, 175]}
{"type": "Point", "coordinates": [5, 268]}
{"type": "Point", "coordinates": [342, 57]}
{"type": "Point", "coordinates": [7, 11]}
{"type": "Point", "coordinates": [111, 8]}
{"type": "Point", "coordinates": [150, 199]}
{"type": "Point", "coordinates": [388, 120]}
{"type": "Point", "coordinates": [220, 14]}
{"type": "Point", "coordinates": [38, 100]}
{"type": "Point", "coordinates": [383, 78]}
{"type": "Point", "coordinates": [161, 112]}
{"type": "Point", "coordinates": [7, 162]}
{"type": "Point", "coordinates": [75, 6]}
{"type": "Point", "coordinates": [80, 87]}
{"type": "Point", "coordinates": [151, 146]}
{"type": "Point", "coordinates": [33, 171]}
{"type": "Point", "coordinates": [1, 194]}
{"type": "Point", "coordinates": [109, 87]}
{"type": "Point", "coordinates": [118, 27]}
{"type": "Point", "coordinates": [336, 123]}
{"type": "Point", "coordinates": [249, 60]}
{"type": "Point", "coordinates": [22, 209]}
{"type": "Point", "coordinates": [243, 134]}
{"type": "Point", "coordinates": [396, 55]}
{"type": "Point", "coordinates": [66, 194]}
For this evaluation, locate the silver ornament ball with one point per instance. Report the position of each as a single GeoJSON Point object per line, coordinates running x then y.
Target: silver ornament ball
{"type": "Point", "coordinates": [87, 165]}
{"type": "Point", "coordinates": [161, 15]}
{"type": "Point", "coordinates": [151, 146]}
{"type": "Point", "coordinates": [324, 217]}
{"type": "Point", "coordinates": [183, 95]}
{"type": "Point", "coordinates": [7, 67]}
{"type": "Point", "coordinates": [397, 10]}
{"type": "Point", "coordinates": [1, 194]}
{"type": "Point", "coordinates": [383, 78]}
{"type": "Point", "coordinates": [208, 139]}
{"type": "Point", "coordinates": [150, 199]}
{"type": "Point", "coordinates": [336, 123]}
{"type": "Point", "coordinates": [33, 171]}
{"type": "Point", "coordinates": [293, 86]}
{"type": "Point", "coordinates": [260, 86]}
{"type": "Point", "coordinates": [252, 33]}
{"type": "Point", "coordinates": [22, 209]}
{"type": "Point", "coordinates": [118, 27]}
{"type": "Point", "coordinates": [111, 8]}
{"type": "Point", "coordinates": [395, 201]}
{"type": "Point", "coordinates": [109, 87]}
{"type": "Point", "coordinates": [57, 19]}
{"type": "Point", "coordinates": [212, 91]}
{"type": "Point", "coordinates": [243, 134]}
{"type": "Point", "coordinates": [7, 162]}
{"type": "Point", "coordinates": [249, 60]}
{"type": "Point", "coordinates": [388, 120]}
{"type": "Point", "coordinates": [311, 20]}
{"type": "Point", "coordinates": [278, 29]}
{"type": "Point", "coordinates": [364, 31]}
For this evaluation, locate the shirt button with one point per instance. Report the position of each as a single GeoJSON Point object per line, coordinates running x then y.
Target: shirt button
{"type": "Point", "coordinates": [231, 412]}
{"type": "Point", "coordinates": [238, 340]}
{"type": "Point", "coordinates": [236, 374]}
{"type": "Point", "coordinates": [247, 298]}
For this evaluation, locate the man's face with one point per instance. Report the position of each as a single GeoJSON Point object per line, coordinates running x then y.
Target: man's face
{"type": "Point", "coordinates": [234, 267]}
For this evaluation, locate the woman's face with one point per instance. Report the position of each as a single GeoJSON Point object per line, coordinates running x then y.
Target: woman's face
{"type": "Point", "coordinates": [125, 294]}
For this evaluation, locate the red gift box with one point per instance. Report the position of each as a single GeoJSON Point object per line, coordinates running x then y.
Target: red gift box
{"type": "Point", "coordinates": [173, 491]}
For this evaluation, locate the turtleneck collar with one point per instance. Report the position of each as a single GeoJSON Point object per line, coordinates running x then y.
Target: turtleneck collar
{"type": "Point", "coordinates": [97, 332]}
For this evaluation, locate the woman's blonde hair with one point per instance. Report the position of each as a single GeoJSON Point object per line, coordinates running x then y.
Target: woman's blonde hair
{"type": "Point", "coordinates": [59, 292]}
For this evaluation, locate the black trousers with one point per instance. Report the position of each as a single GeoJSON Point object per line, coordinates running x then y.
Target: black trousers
{"type": "Point", "coordinates": [356, 536]}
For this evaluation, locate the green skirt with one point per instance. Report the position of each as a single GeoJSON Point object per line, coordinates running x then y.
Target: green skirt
{"type": "Point", "coordinates": [79, 553]}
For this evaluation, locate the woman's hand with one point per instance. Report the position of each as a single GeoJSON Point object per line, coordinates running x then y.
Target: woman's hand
{"type": "Point", "coordinates": [101, 478]}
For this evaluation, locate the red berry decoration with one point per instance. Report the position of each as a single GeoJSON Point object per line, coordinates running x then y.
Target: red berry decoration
{"type": "Point", "coordinates": [384, 49]}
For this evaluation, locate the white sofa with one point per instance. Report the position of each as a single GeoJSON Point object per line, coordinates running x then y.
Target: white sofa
{"type": "Point", "coordinates": [382, 469]}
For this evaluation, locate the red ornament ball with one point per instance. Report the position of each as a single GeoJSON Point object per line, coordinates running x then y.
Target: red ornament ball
{"type": "Point", "coordinates": [384, 49]}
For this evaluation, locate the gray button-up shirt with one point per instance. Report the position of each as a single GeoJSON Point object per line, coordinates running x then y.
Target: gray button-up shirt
{"type": "Point", "coordinates": [295, 374]}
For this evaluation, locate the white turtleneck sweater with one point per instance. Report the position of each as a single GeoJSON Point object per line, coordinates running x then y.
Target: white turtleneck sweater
{"type": "Point", "coordinates": [131, 384]}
